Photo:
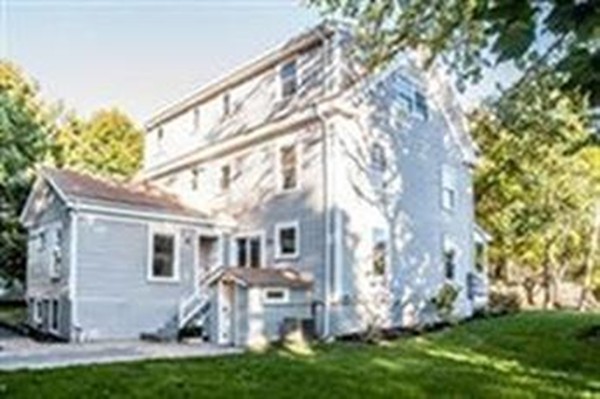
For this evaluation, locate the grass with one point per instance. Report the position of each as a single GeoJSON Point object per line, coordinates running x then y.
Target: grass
{"type": "Point", "coordinates": [13, 314]}
{"type": "Point", "coordinates": [533, 354]}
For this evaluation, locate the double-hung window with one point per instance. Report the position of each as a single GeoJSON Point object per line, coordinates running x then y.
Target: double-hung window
{"type": "Point", "coordinates": [289, 79]}
{"type": "Point", "coordinates": [163, 262]}
{"type": "Point", "coordinates": [249, 251]}
{"type": "Point", "coordinates": [225, 180]}
{"type": "Point", "coordinates": [421, 108]}
{"type": "Point", "coordinates": [288, 167]}
{"type": "Point", "coordinates": [54, 315]}
{"type": "Point", "coordinates": [380, 251]}
{"type": "Point", "coordinates": [287, 240]}
{"type": "Point", "coordinates": [449, 258]}
{"type": "Point", "coordinates": [378, 165]}
{"type": "Point", "coordinates": [448, 188]}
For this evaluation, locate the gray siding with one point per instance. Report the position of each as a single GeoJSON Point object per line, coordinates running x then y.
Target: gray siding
{"type": "Point", "coordinates": [47, 217]}
{"type": "Point", "coordinates": [410, 210]}
{"type": "Point", "coordinates": [115, 299]}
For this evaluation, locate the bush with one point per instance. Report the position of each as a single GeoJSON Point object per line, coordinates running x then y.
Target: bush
{"type": "Point", "coordinates": [444, 301]}
{"type": "Point", "coordinates": [504, 302]}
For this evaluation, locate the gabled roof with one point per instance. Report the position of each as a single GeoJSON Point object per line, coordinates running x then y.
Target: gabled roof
{"type": "Point", "coordinates": [75, 188]}
{"type": "Point", "coordinates": [266, 277]}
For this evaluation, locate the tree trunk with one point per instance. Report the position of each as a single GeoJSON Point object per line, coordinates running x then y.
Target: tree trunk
{"type": "Point", "coordinates": [590, 260]}
{"type": "Point", "coordinates": [546, 285]}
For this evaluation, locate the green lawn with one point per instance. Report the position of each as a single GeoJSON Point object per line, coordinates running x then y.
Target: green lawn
{"type": "Point", "coordinates": [526, 355]}
{"type": "Point", "coordinates": [13, 314]}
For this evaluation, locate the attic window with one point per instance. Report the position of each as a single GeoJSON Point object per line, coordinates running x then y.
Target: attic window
{"type": "Point", "coordinates": [289, 79]}
{"type": "Point", "coordinates": [421, 105]}
{"type": "Point", "coordinates": [226, 104]}
{"type": "Point", "coordinates": [225, 181]}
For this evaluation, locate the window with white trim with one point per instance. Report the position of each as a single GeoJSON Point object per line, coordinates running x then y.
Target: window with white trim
{"type": "Point", "coordinates": [56, 255]}
{"type": "Point", "coordinates": [226, 104]}
{"type": "Point", "coordinates": [163, 265]}
{"type": "Point", "coordinates": [54, 315]}
{"type": "Point", "coordinates": [380, 251]}
{"type": "Point", "coordinates": [225, 180]}
{"type": "Point", "coordinates": [37, 311]}
{"type": "Point", "coordinates": [449, 258]}
{"type": "Point", "coordinates": [276, 295]}
{"type": "Point", "coordinates": [249, 251]}
{"type": "Point", "coordinates": [287, 240]}
{"type": "Point", "coordinates": [448, 188]}
{"type": "Point", "coordinates": [194, 179]}
{"type": "Point", "coordinates": [378, 164]}
{"type": "Point", "coordinates": [41, 241]}
{"type": "Point", "coordinates": [196, 120]}
{"type": "Point", "coordinates": [421, 108]}
{"type": "Point", "coordinates": [288, 77]}
{"type": "Point", "coordinates": [288, 167]}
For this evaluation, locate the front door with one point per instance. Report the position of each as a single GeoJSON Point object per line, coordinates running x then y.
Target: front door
{"type": "Point", "coordinates": [226, 302]}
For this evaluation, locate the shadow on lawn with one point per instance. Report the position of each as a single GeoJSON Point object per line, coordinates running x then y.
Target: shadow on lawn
{"type": "Point", "coordinates": [503, 357]}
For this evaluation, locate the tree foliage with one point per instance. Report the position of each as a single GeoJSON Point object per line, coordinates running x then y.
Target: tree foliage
{"type": "Point", "coordinates": [25, 129]}
{"type": "Point", "coordinates": [33, 132]}
{"type": "Point", "coordinates": [538, 181]}
{"type": "Point", "coordinates": [107, 144]}
{"type": "Point", "coordinates": [470, 35]}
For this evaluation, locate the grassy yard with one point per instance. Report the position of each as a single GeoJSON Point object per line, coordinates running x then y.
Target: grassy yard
{"type": "Point", "coordinates": [526, 355]}
{"type": "Point", "coordinates": [12, 314]}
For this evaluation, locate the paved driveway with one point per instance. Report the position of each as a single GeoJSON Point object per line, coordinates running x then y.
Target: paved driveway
{"type": "Point", "coordinates": [23, 353]}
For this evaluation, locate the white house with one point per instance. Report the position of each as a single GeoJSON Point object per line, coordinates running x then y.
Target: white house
{"type": "Point", "coordinates": [297, 187]}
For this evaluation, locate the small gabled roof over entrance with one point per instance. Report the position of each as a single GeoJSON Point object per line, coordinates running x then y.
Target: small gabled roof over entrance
{"type": "Point", "coordinates": [78, 190]}
{"type": "Point", "coordinates": [266, 277]}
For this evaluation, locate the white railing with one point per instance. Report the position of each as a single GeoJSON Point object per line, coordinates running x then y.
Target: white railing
{"type": "Point", "coordinates": [190, 306]}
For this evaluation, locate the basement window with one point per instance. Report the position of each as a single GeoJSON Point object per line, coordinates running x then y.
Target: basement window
{"type": "Point", "coordinates": [276, 295]}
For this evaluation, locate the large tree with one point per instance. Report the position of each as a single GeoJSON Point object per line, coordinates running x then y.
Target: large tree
{"type": "Point", "coordinates": [471, 35]}
{"type": "Point", "coordinates": [25, 131]}
{"type": "Point", "coordinates": [108, 144]}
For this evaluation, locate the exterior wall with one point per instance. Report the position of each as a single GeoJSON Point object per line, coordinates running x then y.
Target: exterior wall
{"type": "Point", "coordinates": [260, 322]}
{"type": "Point", "coordinates": [408, 209]}
{"type": "Point", "coordinates": [49, 216]}
{"type": "Point", "coordinates": [115, 298]}
{"type": "Point", "coordinates": [255, 202]}
{"type": "Point", "coordinates": [253, 102]}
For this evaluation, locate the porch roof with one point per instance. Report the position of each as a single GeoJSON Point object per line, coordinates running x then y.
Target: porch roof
{"type": "Point", "coordinates": [266, 277]}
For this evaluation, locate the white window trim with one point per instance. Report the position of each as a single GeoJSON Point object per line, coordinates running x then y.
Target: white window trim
{"type": "Point", "coordinates": [278, 167]}
{"type": "Point", "coordinates": [37, 310]}
{"type": "Point", "coordinates": [55, 271]}
{"type": "Point", "coordinates": [52, 314]}
{"type": "Point", "coordinates": [246, 234]}
{"type": "Point", "coordinates": [448, 185]}
{"type": "Point", "coordinates": [275, 301]}
{"type": "Point", "coordinates": [286, 225]}
{"type": "Point", "coordinates": [152, 230]}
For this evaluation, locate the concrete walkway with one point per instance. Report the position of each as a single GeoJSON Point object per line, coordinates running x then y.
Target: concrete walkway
{"type": "Point", "coordinates": [23, 353]}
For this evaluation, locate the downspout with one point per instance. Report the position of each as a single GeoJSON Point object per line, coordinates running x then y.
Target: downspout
{"type": "Point", "coordinates": [326, 192]}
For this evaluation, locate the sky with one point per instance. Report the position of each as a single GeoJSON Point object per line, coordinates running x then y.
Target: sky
{"type": "Point", "coordinates": [141, 55]}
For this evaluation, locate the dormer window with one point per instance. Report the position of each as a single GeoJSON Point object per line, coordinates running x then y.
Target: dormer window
{"type": "Point", "coordinates": [289, 79]}
{"type": "Point", "coordinates": [159, 137]}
